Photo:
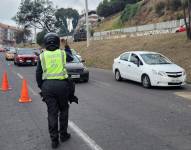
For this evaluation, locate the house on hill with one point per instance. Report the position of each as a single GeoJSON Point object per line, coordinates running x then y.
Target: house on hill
{"type": "Point", "coordinates": [7, 35]}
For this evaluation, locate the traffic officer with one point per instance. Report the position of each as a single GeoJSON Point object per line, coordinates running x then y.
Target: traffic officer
{"type": "Point", "coordinates": [52, 79]}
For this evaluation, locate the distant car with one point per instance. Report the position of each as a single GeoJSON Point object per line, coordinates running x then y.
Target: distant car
{"type": "Point", "coordinates": [25, 56]}
{"type": "Point", "coordinates": [181, 29]}
{"type": "Point", "coordinates": [9, 54]}
{"type": "Point", "coordinates": [2, 49]}
{"type": "Point", "coordinates": [148, 68]}
{"type": "Point", "coordinates": [80, 35]}
{"type": "Point", "coordinates": [74, 52]}
{"type": "Point", "coordinates": [77, 70]}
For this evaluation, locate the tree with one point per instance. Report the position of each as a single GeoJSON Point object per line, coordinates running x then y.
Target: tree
{"type": "Point", "coordinates": [22, 35]}
{"type": "Point", "coordinates": [108, 8]}
{"type": "Point", "coordinates": [62, 16]}
{"type": "Point", "coordinates": [40, 37]}
{"type": "Point", "coordinates": [37, 13]}
{"type": "Point", "coordinates": [187, 14]}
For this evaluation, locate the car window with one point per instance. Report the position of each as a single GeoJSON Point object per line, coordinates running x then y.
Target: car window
{"type": "Point", "coordinates": [74, 52]}
{"type": "Point", "coordinates": [125, 57]}
{"type": "Point", "coordinates": [75, 59]}
{"type": "Point", "coordinates": [155, 59]}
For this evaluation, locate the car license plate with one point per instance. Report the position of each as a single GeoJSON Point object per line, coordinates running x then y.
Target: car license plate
{"type": "Point", "coordinates": [175, 81]}
{"type": "Point", "coordinates": [75, 76]}
{"type": "Point", "coordinates": [28, 61]}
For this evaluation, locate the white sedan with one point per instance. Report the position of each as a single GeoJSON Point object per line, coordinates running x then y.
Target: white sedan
{"type": "Point", "coordinates": [148, 68]}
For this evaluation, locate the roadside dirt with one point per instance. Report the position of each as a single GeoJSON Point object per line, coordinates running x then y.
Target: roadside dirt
{"type": "Point", "coordinates": [100, 54]}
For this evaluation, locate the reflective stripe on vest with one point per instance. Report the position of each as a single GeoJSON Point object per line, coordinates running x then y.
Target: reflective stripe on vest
{"type": "Point", "coordinates": [53, 65]}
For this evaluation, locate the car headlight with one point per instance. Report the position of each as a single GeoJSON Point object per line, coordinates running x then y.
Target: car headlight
{"type": "Point", "coordinates": [85, 69]}
{"type": "Point", "coordinates": [184, 73]}
{"type": "Point", "coordinates": [161, 73]}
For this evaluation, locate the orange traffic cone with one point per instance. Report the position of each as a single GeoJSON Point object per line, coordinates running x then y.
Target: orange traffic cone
{"type": "Point", "coordinates": [24, 93]}
{"type": "Point", "coordinates": [5, 83]}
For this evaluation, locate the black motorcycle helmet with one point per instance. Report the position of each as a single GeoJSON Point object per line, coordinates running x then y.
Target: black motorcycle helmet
{"type": "Point", "coordinates": [51, 41]}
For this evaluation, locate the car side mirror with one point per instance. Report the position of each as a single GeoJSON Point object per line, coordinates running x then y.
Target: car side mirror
{"type": "Point", "coordinates": [137, 62]}
{"type": "Point", "coordinates": [36, 53]}
{"type": "Point", "coordinates": [83, 61]}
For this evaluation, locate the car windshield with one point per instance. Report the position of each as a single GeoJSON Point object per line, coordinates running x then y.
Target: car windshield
{"type": "Point", "coordinates": [12, 49]}
{"type": "Point", "coordinates": [76, 59]}
{"type": "Point", "coordinates": [155, 59]}
{"type": "Point", "coordinates": [25, 52]}
{"type": "Point", "coordinates": [74, 52]}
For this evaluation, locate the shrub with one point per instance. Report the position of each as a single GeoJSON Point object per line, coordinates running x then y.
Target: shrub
{"type": "Point", "coordinates": [159, 8]}
{"type": "Point", "coordinates": [129, 12]}
{"type": "Point", "coordinates": [175, 4]}
{"type": "Point", "coordinates": [179, 16]}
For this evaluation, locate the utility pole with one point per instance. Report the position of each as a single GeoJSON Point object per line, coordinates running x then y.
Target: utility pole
{"type": "Point", "coordinates": [87, 24]}
{"type": "Point", "coordinates": [35, 35]}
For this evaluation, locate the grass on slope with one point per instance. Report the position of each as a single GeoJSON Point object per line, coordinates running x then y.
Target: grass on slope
{"type": "Point", "coordinates": [100, 54]}
{"type": "Point", "coordinates": [110, 23]}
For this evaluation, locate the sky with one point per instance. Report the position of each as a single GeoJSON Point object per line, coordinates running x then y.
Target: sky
{"type": "Point", "coordinates": [8, 8]}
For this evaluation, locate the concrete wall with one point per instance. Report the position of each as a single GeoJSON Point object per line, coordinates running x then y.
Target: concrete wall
{"type": "Point", "coordinates": [158, 28]}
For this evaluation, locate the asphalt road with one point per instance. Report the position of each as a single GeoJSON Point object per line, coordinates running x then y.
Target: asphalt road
{"type": "Point", "coordinates": [111, 115]}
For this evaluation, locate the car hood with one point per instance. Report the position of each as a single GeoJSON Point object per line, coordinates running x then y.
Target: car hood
{"type": "Point", "coordinates": [74, 66]}
{"type": "Point", "coordinates": [167, 68]}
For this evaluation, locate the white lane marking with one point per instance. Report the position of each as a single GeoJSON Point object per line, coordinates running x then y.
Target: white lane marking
{"type": "Point", "coordinates": [90, 142]}
{"type": "Point", "coordinates": [30, 88]}
{"type": "Point", "coordinates": [19, 75]}
{"type": "Point", "coordinates": [33, 92]}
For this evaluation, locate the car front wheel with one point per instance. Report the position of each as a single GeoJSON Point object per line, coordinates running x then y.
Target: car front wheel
{"type": "Point", "coordinates": [146, 81]}
{"type": "Point", "coordinates": [118, 75]}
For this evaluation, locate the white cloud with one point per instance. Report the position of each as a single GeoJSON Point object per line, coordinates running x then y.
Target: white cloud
{"type": "Point", "coordinates": [9, 8]}
{"type": "Point", "coordinates": [77, 4]}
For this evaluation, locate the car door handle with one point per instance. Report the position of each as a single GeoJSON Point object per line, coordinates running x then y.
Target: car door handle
{"type": "Point", "coordinates": [119, 62]}
{"type": "Point", "coordinates": [129, 65]}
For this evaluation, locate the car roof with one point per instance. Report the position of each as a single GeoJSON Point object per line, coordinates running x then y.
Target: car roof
{"type": "Point", "coordinates": [142, 52]}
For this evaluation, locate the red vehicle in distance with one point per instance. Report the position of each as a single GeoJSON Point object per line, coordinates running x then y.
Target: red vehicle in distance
{"type": "Point", "coordinates": [181, 29]}
{"type": "Point", "coordinates": [25, 56]}
{"type": "Point", "coordinates": [2, 49]}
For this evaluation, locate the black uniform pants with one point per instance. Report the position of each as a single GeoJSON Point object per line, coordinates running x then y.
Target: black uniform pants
{"type": "Point", "coordinates": [55, 94]}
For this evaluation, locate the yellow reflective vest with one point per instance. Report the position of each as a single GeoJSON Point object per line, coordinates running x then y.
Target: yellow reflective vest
{"type": "Point", "coordinates": [53, 65]}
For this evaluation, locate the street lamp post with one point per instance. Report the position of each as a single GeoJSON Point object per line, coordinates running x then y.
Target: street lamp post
{"type": "Point", "coordinates": [87, 24]}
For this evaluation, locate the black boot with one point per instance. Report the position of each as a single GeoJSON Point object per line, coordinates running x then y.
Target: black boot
{"type": "Point", "coordinates": [55, 144]}
{"type": "Point", "coordinates": [64, 138]}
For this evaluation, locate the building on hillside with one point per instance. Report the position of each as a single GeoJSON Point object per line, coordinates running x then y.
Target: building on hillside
{"type": "Point", "coordinates": [93, 19]}
{"type": "Point", "coordinates": [7, 35]}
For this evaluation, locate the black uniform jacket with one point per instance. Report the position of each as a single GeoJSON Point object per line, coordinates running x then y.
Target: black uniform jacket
{"type": "Point", "coordinates": [39, 71]}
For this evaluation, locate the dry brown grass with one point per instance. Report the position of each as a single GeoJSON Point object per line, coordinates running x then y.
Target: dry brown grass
{"type": "Point", "coordinates": [145, 15]}
{"type": "Point", "coordinates": [100, 54]}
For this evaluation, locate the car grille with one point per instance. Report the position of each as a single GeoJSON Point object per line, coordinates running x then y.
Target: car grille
{"type": "Point", "coordinates": [170, 83]}
{"type": "Point", "coordinates": [75, 70]}
{"type": "Point", "coordinates": [174, 74]}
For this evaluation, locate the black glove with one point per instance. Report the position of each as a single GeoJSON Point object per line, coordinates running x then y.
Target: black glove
{"type": "Point", "coordinates": [40, 93]}
{"type": "Point", "coordinates": [73, 99]}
